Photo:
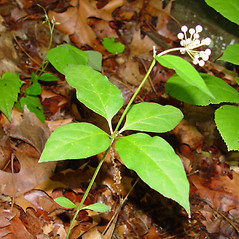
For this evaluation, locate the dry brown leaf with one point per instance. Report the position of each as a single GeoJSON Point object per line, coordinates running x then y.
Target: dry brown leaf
{"type": "Point", "coordinates": [215, 192]}
{"type": "Point", "coordinates": [188, 134]}
{"type": "Point", "coordinates": [17, 230]}
{"type": "Point", "coordinates": [74, 21]}
{"type": "Point", "coordinates": [8, 54]}
{"type": "Point", "coordinates": [102, 29]}
{"type": "Point", "coordinates": [93, 233]}
{"type": "Point", "coordinates": [40, 200]}
{"type": "Point", "coordinates": [5, 149]}
{"type": "Point", "coordinates": [29, 129]}
{"type": "Point", "coordinates": [141, 47]}
{"type": "Point", "coordinates": [31, 172]}
{"type": "Point", "coordinates": [155, 8]}
{"type": "Point", "coordinates": [130, 74]}
{"type": "Point", "coordinates": [6, 215]}
{"type": "Point", "coordinates": [232, 185]}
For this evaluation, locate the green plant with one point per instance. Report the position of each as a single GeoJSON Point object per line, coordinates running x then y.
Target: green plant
{"type": "Point", "coordinates": [226, 116]}
{"type": "Point", "coordinates": [10, 85]}
{"type": "Point", "coordinates": [112, 46]}
{"type": "Point", "coordinates": [152, 158]}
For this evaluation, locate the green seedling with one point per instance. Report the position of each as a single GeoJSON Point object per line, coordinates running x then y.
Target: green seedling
{"type": "Point", "coordinates": [10, 86]}
{"type": "Point", "coordinates": [152, 158]}
{"type": "Point", "coordinates": [112, 46]}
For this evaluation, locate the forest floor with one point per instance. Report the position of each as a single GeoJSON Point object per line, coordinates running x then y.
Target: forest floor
{"type": "Point", "coordinates": [27, 208]}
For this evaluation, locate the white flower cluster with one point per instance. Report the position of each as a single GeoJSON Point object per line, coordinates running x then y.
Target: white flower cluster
{"type": "Point", "coordinates": [192, 42]}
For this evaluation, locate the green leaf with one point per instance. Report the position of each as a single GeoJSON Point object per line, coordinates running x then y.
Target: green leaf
{"type": "Point", "coordinates": [34, 105]}
{"type": "Point", "coordinates": [231, 54]}
{"type": "Point", "coordinates": [95, 60]}
{"type": "Point", "coordinates": [185, 70]}
{"type": "Point", "coordinates": [229, 9]}
{"type": "Point", "coordinates": [227, 121]}
{"type": "Point", "coordinates": [156, 163]}
{"type": "Point", "coordinates": [75, 141]}
{"type": "Point", "coordinates": [64, 55]}
{"type": "Point", "coordinates": [152, 117]}
{"type": "Point", "coordinates": [237, 80]}
{"type": "Point", "coordinates": [34, 89]}
{"type": "Point", "coordinates": [94, 90]}
{"type": "Point", "coordinates": [65, 202]}
{"type": "Point", "coordinates": [10, 85]}
{"type": "Point", "coordinates": [179, 89]}
{"type": "Point", "coordinates": [98, 207]}
{"type": "Point", "coordinates": [112, 46]}
{"type": "Point", "coordinates": [34, 77]}
{"type": "Point", "coordinates": [48, 77]}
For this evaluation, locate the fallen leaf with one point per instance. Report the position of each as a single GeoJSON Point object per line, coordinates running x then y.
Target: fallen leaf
{"type": "Point", "coordinates": [155, 8]}
{"type": "Point", "coordinates": [74, 21]}
{"type": "Point", "coordinates": [31, 172]}
{"type": "Point", "coordinates": [41, 200]}
{"type": "Point", "coordinates": [93, 233]}
{"type": "Point", "coordinates": [8, 54]}
{"type": "Point", "coordinates": [188, 134]}
{"type": "Point", "coordinates": [18, 230]}
{"type": "Point", "coordinates": [26, 127]}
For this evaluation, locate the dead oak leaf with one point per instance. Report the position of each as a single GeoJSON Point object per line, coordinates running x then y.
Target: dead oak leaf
{"type": "Point", "coordinates": [11, 225]}
{"type": "Point", "coordinates": [31, 172]}
{"type": "Point", "coordinates": [215, 193]}
{"type": "Point", "coordinates": [155, 8]}
{"type": "Point", "coordinates": [141, 47]}
{"type": "Point", "coordinates": [74, 21]}
{"type": "Point", "coordinates": [232, 185]}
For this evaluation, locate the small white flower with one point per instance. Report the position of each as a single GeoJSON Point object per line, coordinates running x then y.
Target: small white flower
{"type": "Point", "coordinates": [184, 28]}
{"type": "Point", "coordinates": [196, 36]}
{"type": "Point", "coordinates": [180, 35]}
{"type": "Point", "coordinates": [191, 43]}
{"type": "Point", "coordinates": [198, 28]}
{"type": "Point", "coordinates": [191, 31]}
{"type": "Point", "coordinates": [206, 41]}
{"type": "Point", "coordinates": [208, 51]}
{"type": "Point", "coordinates": [201, 63]}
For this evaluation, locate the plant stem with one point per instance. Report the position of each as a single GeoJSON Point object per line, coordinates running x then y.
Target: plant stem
{"type": "Point", "coordinates": [113, 136]}
{"type": "Point", "coordinates": [86, 192]}
{"type": "Point", "coordinates": [139, 88]}
{"type": "Point", "coordinates": [133, 97]}
{"type": "Point", "coordinates": [51, 26]}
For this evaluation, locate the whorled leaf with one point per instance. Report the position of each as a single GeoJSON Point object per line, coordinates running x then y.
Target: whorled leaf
{"type": "Point", "coordinates": [64, 55]}
{"type": "Point", "coordinates": [156, 163]}
{"type": "Point", "coordinates": [152, 117]}
{"type": "Point", "coordinates": [94, 90]}
{"type": "Point", "coordinates": [185, 70]}
{"type": "Point", "coordinates": [10, 85]}
{"type": "Point", "coordinates": [231, 54]}
{"type": "Point", "coordinates": [229, 9]}
{"type": "Point", "coordinates": [227, 121]}
{"type": "Point", "coordinates": [94, 60]}
{"type": "Point", "coordinates": [178, 88]}
{"type": "Point", "coordinates": [75, 141]}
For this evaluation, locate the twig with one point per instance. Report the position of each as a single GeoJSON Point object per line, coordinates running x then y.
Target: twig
{"type": "Point", "coordinates": [13, 180]}
{"type": "Point", "coordinates": [225, 217]}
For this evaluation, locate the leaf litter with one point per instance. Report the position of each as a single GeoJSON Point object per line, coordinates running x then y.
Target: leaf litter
{"type": "Point", "coordinates": [27, 208]}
